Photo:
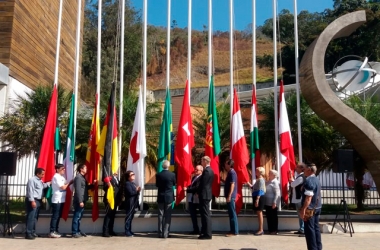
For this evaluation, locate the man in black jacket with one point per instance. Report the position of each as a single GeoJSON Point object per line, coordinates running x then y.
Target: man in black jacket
{"type": "Point", "coordinates": [109, 218]}
{"type": "Point", "coordinates": [165, 181]}
{"type": "Point", "coordinates": [193, 198]}
{"type": "Point", "coordinates": [205, 196]}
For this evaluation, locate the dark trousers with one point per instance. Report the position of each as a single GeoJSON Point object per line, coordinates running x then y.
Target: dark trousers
{"type": "Point", "coordinates": [128, 221]}
{"type": "Point", "coordinates": [109, 219]}
{"type": "Point", "coordinates": [312, 232]}
{"type": "Point", "coordinates": [164, 219]}
{"type": "Point", "coordinates": [193, 214]}
{"type": "Point", "coordinates": [78, 213]}
{"type": "Point", "coordinates": [31, 216]}
{"type": "Point", "coordinates": [234, 227]}
{"type": "Point", "coordinates": [204, 209]}
{"type": "Point", "coordinates": [272, 218]}
{"type": "Point", "coordinates": [56, 214]}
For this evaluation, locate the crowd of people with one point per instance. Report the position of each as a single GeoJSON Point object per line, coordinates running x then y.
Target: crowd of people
{"type": "Point", "coordinates": [265, 194]}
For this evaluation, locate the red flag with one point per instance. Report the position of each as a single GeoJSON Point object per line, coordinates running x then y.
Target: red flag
{"type": "Point", "coordinates": [184, 144]}
{"type": "Point", "coordinates": [287, 161]}
{"type": "Point", "coordinates": [46, 159]}
{"type": "Point", "coordinates": [239, 151]}
{"type": "Point", "coordinates": [92, 160]}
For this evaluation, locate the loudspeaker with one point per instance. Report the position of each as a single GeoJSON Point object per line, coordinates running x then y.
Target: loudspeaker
{"type": "Point", "coordinates": [8, 162]}
{"type": "Point", "coordinates": [343, 160]}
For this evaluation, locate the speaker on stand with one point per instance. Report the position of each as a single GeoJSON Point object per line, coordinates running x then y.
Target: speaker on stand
{"type": "Point", "coordinates": [343, 162]}
{"type": "Point", "coordinates": [8, 163]}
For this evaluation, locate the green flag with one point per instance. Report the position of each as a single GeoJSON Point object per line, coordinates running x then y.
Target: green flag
{"type": "Point", "coordinates": [165, 142]}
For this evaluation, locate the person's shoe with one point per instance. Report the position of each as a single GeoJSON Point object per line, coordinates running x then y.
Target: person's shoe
{"type": "Point", "coordinates": [35, 235]}
{"type": "Point", "coordinates": [259, 233]}
{"type": "Point", "coordinates": [113, 233]}
{"type": "Point", "coordinates": [107, 235]}
{"type": "Point", "coordinates": [30, 237]}
{"type": "Point", "coordinates": [54, 235]}
{"type": "Point", "coordinates": [203, 237]}
{"type": "Point", "coordinates": [83, 234]}
{"type": "Point", "coordinates": [231, 235]}
{"type": "Point", "coordinates": [298, 232]}
{"type": "Point", "coordinates": [129, 235]}
{"type": "Point", "coordinates": [301, 235]}
{"type": "Point", "coordinates": [77, 235]}
{"type": "Point", "coordinates": [273, 233]}
{"type": "Point", "coordinates": [194, 233]}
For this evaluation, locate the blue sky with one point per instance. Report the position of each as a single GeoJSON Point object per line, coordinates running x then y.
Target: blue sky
{"type": "Point", "coordinates": [157, 11]}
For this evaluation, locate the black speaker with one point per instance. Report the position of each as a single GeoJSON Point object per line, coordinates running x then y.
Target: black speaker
{"type": "Point", "coordinates": [343, 160]}
{"type": "Point", "coordinates": [8, 162]}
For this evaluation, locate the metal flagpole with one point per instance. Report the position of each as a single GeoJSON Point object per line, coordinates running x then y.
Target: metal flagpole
{"type": "Point", "coordinates": [231, 57]}
{"type": "Point", "coordinates": [210, 66]}
{"type": "Point", "coordinates": [253, 163]}
{"type": "Point", "coordinates": [297, 82]}
{"type": "Point", "coordinates": [189, 43]}
{"type": "Point", "coordinates": [58, 43]}
{"type": "Point", "coordinates": [168, 46]}
{"type": "Point", "coordinates": [99, 55]}
{"type": "Point", "coordinates": [121, 79]}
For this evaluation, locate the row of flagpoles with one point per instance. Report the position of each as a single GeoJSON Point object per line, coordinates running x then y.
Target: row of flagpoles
{"type": "Point", "coordinates": [106, 143]}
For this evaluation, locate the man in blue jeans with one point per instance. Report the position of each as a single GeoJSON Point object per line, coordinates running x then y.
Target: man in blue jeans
{"type": "Point", "coordinates": [311, 199]}
{"type": "Point", "coordinates": [230, 191]}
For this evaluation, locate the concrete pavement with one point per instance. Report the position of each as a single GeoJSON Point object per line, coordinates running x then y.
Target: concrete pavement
{"type": "Point", "coordinates": [149, 241]}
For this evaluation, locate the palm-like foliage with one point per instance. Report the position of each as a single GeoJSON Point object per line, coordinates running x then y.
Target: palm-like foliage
{"type": "Point", "coordinates": [22, 127]}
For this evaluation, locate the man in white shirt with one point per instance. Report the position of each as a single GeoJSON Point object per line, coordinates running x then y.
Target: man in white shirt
{"type": "Point", "coordinates": [297, 194]}
{"type": "Point", "coordinates": [59, 186]}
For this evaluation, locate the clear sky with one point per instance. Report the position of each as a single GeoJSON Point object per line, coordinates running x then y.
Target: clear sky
{"type": "Point", "coordinates": [157, 11]}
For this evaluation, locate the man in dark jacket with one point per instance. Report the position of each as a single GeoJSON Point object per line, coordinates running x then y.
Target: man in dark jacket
{"type": "Point", "coordinates": [81, 188]}
{"type": "Point", "coordinates": [109, 218]}
{"type": "Point", "coordinates": [205, 196]}
{"type": "Point", "coordinates": [193, 198]}
{"type": "Point", "coordinates": [165, 181]}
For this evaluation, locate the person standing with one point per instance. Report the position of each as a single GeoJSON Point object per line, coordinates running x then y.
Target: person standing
{"type": "Point", "coordinates": [296, 184]}
{"type": "Point", "coordinates": [193, 198]}
{"type": "Point", "coordinates": [109, 217]}
{"type": "Point", "coordinates": [272, 201]}
{"type": "Point", "coordinates": [311, 199]}
{"type": "Point", "coordinates": [230, 191]}
{"type": "Point", "coordinates": [165, 181]}
{"type": "Point", "coordinates": [81, 188]}
{"type": "Point", "coordinates": [59, 186]}
{"type": "Point", "coordinates": [131, 193]}
{"type": "Point", "coordinates": [258, 192]}
{"type": "Point", "coordinates": [205, 195]}
{"type": "Point", "coordinates": [33, 200]}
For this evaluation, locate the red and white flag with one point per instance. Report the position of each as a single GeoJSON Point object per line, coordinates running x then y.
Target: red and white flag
{"type": "Point", "coordinates": [287, 161]}
{"type": "Point", "coordinates": [183, 146]}
{"type": "Point", "coordinates": [239, 151]}
{"type": "Point", "coordinates": [137, 146]}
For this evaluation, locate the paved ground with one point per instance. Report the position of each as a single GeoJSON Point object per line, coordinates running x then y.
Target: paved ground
{"type": "Point", "coordinates": [245, 241]}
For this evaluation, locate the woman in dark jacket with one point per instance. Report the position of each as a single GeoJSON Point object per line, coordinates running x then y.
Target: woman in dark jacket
{"type": "Point", "coordinates": [131, 201]}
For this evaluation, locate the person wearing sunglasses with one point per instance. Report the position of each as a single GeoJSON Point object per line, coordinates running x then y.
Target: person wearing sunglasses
{"type": "Point", "coordinates": [131, 192]}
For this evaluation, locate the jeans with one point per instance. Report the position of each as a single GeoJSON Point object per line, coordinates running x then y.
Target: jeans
{"type": "Point", "coordinates": [298, 206]}
{"type": "Point", "coordinates": [193, 214]}
{"type": "Point", "coordinates": [31, 216]}
{"type": "Point", "coordinates": [78, 213]}
{"type": "Point", "coordinates": [272, 219]}
{"type": "Point", "coordinates": [234, 228]}
{"type": "Point", "coordinates": [312, 232]}
{"type": "Point", "coordinates": [56, 215]}
{"type": "Point", "coordinates": [128, 221]}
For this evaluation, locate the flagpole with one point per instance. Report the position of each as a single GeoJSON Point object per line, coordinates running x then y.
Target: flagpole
{"type": "Point", "coordinates": [210, 69]}
{"type": "Point", "coordinates": [168, 46]}
{"type": "Point", "coordinates": [99, 55]}
{"type": "Point", "coordinates": [253, 163]}
{"type": "Point", "coordinates": [297, 82]}
{"type": "Point", "coordinates": [189, 44]}
{"type": "Point", "coordinates": [121, 79]}
{"type": "Point", "coordinates": [231, 57]}
{"type": "Point", "coordinates": [58, 43]}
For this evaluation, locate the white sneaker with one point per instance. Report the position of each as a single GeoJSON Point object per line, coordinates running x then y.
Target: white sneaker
{"type": "Point", "coordinates": [54, 235]}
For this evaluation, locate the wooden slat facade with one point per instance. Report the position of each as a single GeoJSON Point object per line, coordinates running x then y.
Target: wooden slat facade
{"type": "Point", "coordinates": [28, 37]}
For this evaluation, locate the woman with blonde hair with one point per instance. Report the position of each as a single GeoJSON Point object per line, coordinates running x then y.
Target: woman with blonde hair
{"type": "Point", "coordinates": [258, 192]}
{"type": "Point", "coordinates": [272, 201]}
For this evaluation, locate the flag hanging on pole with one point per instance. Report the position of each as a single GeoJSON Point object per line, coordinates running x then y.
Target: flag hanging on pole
{"type": "Point", "coordinates": [254, 136]}
{"type": "Point", "coordinates": [107, 146]}
{"type": "Point", "coordinates": [137, 146]}
{"type": "Point", "coordinates": [93, 160]}
{"type": "Point", "coordinates": [212, 142]}
{"type": "Point", "coordinates": [239, 151]}
{"type": "Point", "coordinates": [46, 158]}
{"type": "Point", "coordinates": [184, 144]}
{"type": "Point", "coordinates": [287, 161]}
{"type": "Point", "coordinates": [165, 140]}
{"type": "Point", "coordinates": [68, 159]}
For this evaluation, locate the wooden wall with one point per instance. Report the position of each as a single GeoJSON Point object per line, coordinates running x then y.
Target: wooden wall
{"type": "Point", "coordinates": [28, 35]}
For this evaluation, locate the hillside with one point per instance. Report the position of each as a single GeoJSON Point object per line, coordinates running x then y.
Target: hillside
{"type": "Point", "coordinates": [242, 64]}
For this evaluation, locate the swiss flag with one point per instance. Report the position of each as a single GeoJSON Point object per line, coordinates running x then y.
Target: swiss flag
{"type": "Point", "coordinates": [287, 161]}
{"type": "Point", "coordinates": [183, 146]}
{"type": "Point", "coordinates": [239, 152]}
